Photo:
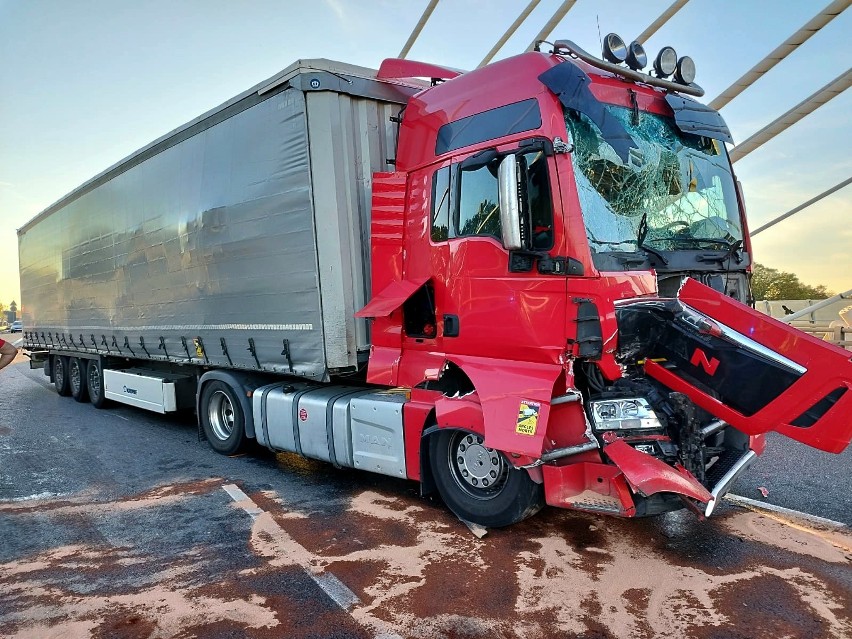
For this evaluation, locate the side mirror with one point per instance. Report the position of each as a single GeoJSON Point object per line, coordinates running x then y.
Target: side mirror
{"type": "Point", "coordinates": [510, 204]}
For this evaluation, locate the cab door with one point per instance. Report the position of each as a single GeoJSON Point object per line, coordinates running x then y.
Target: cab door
{"type": "Point", "coordinates": [499, 305]}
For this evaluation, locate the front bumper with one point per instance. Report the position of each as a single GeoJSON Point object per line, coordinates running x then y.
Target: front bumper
{"type": "Point", "coordinates": [633, 477]}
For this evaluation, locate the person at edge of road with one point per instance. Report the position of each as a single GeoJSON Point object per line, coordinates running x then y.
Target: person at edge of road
{"type": "Point", "coordinates": [7, 353]}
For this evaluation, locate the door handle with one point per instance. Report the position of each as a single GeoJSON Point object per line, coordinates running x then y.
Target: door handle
{"type": "Point", "coordinates": [451, 325]}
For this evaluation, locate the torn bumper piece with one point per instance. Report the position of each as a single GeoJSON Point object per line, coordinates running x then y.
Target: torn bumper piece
{"type": "Point", "coordinates": [611, 488]}
{"type": "Point", "coordinates": [648, 475]}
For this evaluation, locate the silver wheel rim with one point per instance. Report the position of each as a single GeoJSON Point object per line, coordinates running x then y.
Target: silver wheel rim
{"type": "Point", "coordinates": [479, 471]}
{"type": "Point", "coordinates": [59, 372]}
{"type": "Point", "coordinates": [74, 377]}
{"type": "Point", "coordinates": [94, 380]}
{"type": "Point", "coordinates": [220, 412]}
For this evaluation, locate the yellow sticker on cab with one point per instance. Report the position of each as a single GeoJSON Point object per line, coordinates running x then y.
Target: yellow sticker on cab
{"type": "Point", "coordinates": [528, 417]}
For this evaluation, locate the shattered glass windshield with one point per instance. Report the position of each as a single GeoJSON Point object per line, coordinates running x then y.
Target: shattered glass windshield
{"type": "Point", "coordinates": [674, 192]}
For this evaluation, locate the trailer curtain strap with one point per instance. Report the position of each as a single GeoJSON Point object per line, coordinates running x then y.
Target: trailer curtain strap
{"type": "Point", "coordinates": [391, 298]}
{"type": "Point", "coordinates": [571, 85]}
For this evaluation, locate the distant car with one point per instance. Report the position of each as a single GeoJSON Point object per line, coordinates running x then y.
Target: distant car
{"type": "Point", "coordinates": [16, 327]}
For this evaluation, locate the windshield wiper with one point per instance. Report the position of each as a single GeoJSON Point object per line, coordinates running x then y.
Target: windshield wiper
{"type": "Point", "coordinates": [732, 251]}
{"type": "Point", "coordinates": [640, 239]}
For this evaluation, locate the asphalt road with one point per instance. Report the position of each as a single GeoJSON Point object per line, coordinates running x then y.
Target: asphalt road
{"type": "Point", "coordinates": [121, 523]}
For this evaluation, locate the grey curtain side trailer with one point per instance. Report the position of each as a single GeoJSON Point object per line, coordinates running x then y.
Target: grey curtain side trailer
{"type": "Point", "coordinates": [238, 241]}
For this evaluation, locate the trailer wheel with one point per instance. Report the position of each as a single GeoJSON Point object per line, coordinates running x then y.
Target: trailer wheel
{"type": "Point", "coordinates": [77, 379]}
{"type": "Point", "coordinates": [479, 484]}
{"type": "Point", "coordinates": [222, 418]}
{"type": "Point", "coordinates": [95, 384]}
{"type": "Point", "coordinates": [60, 375]}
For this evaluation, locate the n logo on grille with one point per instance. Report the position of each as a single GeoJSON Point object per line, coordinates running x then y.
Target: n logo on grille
{"type": "Point", "coordinates": [699, 358]}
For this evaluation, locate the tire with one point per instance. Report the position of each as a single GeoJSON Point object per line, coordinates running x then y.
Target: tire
{"type": "Point", "coordinates": [60, 375]}
{"type": "Point", "coordinates": [95, 384]}
{"type": "Point", "coordinates": [222, 418]}
{"type": "Point", "coordinates": [77, 379]}
{"type": "Point", "coordinates": [479, 484]}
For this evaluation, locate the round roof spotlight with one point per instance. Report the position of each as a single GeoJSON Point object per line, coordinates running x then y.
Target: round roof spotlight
{"type": "Point", "coordinates": [666, 62]}
{"type": "Point", "coordinates": [636, 56]}
{"type": "Point", "coordinates": [614, 49]}
{"type": "Point", "coordinates": [685, 72]}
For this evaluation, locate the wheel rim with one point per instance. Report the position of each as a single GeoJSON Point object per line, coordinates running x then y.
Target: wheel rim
{"type": "Point", "coordinates": [220, 412]}
{"type": "Point", "coordinates": [94, 380]}
{"type": "Point", "coordinates": [74, 376]}
{"type": "Point", "coordinates": [59, 372]}
{"type": "Point", "coordinates": [479, 471]}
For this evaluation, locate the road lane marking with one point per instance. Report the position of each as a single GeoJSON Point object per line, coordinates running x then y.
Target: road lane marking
{"type": "Point", "coordinates": [761, 505]}
{"type": "Point", "coordinates": [337, 591]}
{"type": "Point", "coordinates": [34, 497]}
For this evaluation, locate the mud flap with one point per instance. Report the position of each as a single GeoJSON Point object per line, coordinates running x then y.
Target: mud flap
{"type": "Point", "coordinates": [648, 475]}
{"type": "Point", "coordinates": [754, 372]}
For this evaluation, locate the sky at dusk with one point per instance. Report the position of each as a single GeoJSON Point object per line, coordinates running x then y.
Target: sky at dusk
{"type": "Point", "coordinates": [84, 84]}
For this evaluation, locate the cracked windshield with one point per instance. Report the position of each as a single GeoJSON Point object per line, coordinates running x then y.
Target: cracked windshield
{"type": "Point", "coordinates": [675, 191]}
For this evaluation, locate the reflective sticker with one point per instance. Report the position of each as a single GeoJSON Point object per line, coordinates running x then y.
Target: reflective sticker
{"type": "Point", "coordinates": [199, 349]}
{"type": "Point", "coordinates": [528, 417]}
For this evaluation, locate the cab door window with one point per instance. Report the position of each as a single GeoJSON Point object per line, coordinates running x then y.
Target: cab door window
{"type": "Point", "coordinates": [478, 210]}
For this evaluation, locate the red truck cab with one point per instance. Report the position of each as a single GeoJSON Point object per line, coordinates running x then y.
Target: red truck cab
{"type": "Point", "coordinates": [527, 256]}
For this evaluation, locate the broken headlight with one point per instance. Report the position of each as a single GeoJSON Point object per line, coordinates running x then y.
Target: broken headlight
{"type": "Point", "coordinates": [623, 414]}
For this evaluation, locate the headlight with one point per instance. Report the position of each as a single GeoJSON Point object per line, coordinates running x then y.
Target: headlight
{"type": "Point", "coordinates": [623, 414]}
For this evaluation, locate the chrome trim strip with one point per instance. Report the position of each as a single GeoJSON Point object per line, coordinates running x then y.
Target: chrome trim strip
{"type": "Point", "coordinates": [559, 453]}
{"type": "Point", "coordinates": [749, 344]}
{"type": "Point", "coordinates": [724, 485]}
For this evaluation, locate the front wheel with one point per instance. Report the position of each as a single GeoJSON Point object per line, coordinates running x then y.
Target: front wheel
{"type": "Point", "coordinates": [479, 484]}
{"type": "Point", "coordinates": [222, 418]}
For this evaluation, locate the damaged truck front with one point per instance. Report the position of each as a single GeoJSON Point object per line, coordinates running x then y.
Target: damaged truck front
{"type": "Point", "coordinates": [593, 346]}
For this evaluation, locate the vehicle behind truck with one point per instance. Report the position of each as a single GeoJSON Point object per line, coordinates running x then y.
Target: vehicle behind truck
{"type": "Point", "coordinates": [522, 285]}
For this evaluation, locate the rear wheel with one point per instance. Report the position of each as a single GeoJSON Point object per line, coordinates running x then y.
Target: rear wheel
{"type": "Point", "coordinates": [222, 418]}
{"type": "Point", "coordinates": [479, 484]}
{"type": "Point", "coordinates": [95, 384]}
{"type": "Point", "coordinates": [77, 379]}
{"type": "Point", "coordinates": [60, 375]}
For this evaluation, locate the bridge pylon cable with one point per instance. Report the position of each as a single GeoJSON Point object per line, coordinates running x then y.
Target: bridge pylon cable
{"type": "Point", "coordinates": [418, 28]}
{"type": "Point", "coordinates": [802, 206]}
{"type": "Point", "coordinates": [665, 16]}
{"type": "Point", "coordinates": [784, 49]}
{"type": "Point", "coordinates": [555, 19]}
{"type": "Point", "coordinates": [782, 123]}
{"type": "Point", "coordinates": [510, 32]}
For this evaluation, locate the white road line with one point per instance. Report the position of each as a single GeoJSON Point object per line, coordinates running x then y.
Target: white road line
{"type": "Point", "coordinates": [331, 585]}
{"type": "Point", "coordinates": [18, 343]}
{"type": "Point", "coordinates": [745, 501]}
{"type": "Point", "coordinates": [34, 497]}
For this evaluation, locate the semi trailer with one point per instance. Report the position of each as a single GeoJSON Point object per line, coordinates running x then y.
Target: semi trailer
{"type": "Point", "coordinates": [522, 285]}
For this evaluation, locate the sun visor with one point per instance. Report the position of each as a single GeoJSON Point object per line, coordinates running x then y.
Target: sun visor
{"type": "Point", "coordinates": [391, 298]}
{"type": "Point", "coordinates": [698, 119]}
{"type": "Point", "coordinates": [571, 85]}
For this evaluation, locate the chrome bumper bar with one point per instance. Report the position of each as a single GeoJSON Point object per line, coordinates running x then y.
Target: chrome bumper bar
{"type": "Point", "coordinates": [724, 484]}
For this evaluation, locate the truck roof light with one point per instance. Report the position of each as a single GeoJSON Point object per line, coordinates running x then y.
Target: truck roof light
{"type": "Point", "coordinates": [614, 49]}
{"type": "Point", "coordinates": [636, 56]}
{"type": "Point", "coordinates": [685, 71]}
{"type": "Point", "coordinates": [666, 62]}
